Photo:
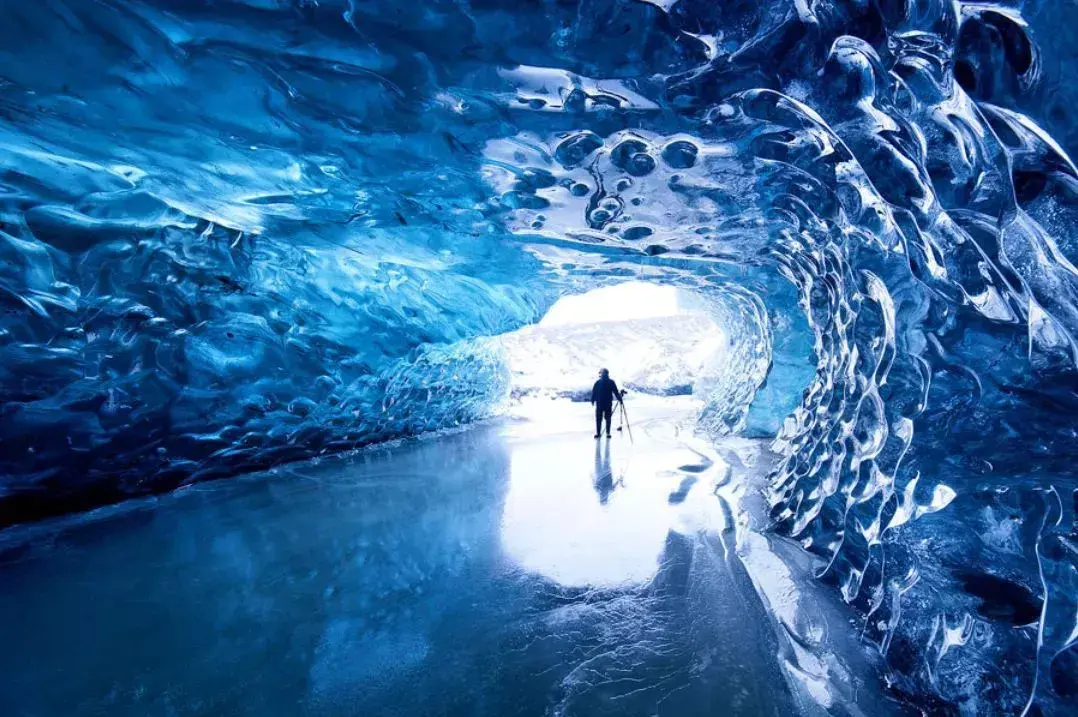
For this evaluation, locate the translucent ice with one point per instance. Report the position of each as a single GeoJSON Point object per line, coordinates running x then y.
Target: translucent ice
{"type": "Point", "coordinates": [234, 234]}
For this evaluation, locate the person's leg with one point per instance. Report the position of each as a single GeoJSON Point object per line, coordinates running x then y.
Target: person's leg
{"type": "Point", "coordinates": [598, 420]}
{"type": "Point", "coordinates": [608, 413]}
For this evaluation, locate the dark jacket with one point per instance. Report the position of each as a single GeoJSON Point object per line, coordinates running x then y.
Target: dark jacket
{"type": "Point", "coordinates": [604, 392]}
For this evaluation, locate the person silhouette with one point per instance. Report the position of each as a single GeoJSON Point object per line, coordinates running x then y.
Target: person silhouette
{"type": "Point", "coordinates": [603, 394]}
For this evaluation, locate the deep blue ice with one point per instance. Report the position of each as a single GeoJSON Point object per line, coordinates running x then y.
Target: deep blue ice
{"type": "Point", "coordinates": [242, 234]}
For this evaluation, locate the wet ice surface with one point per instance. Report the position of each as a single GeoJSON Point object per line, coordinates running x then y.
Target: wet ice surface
{"type": "Point", "coordinates": [520, 568]}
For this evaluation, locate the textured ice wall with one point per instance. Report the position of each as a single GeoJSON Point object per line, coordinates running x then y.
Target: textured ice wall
{"type": "Point", "coordinates": [792, 368]}
{"type": "Point", "coordinates": [230, 230]}
{"type": "Point", "coordinates": [729, 389]}
{"type": "Point", "coordinates": [206, 269]}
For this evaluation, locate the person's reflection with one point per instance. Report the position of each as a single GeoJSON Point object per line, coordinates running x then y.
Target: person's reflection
{"type": "Point", "coordinates": [604, 476]}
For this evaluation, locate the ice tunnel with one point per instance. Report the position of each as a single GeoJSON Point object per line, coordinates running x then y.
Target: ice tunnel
{"type": "Point", "coordinates": [244, 233]}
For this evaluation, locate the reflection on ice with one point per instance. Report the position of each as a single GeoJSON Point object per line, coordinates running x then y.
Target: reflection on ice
{"type": "Point", "coordinates": [596, 513]}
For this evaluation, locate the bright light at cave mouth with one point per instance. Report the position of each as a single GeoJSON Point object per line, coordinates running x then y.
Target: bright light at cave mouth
{"type": "Point", "coordinates": [655, 339]}
{"type": "Point", "coordinates": [621, 302]}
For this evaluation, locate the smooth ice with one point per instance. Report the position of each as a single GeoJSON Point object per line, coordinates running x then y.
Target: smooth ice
{"type": "Point", "coordinates": [519, 568]}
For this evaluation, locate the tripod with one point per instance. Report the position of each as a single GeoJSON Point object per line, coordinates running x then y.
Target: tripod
{"type": "Point", "coordinates": [623, 418]}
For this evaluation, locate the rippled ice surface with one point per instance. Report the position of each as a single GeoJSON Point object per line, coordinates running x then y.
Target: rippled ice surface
{"type": "Point", "coordinates": [513, 569]}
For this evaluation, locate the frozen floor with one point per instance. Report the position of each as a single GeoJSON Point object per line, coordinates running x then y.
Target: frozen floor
{"type": "Point", "coordinates": [520, 568]}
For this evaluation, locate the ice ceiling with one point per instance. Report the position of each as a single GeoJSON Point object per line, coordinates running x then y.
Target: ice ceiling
{"type": "Point", "coordinates": [237, 233]}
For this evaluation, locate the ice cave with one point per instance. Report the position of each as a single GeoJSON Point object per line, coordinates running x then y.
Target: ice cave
{"type": "Point", "coordinates": [303, 301]}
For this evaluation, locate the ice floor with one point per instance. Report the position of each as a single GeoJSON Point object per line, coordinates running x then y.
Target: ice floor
{"type": "Point", "coordinates": [517, 568]}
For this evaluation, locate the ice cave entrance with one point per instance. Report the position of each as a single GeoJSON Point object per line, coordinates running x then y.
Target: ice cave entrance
{"type": "Point", "coordinates": [656, 340]}
{"type": "Point", "coordinates": [741, 365]}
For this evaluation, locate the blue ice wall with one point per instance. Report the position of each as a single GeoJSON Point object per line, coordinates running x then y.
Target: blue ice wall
{"type": "Point", "coordinates": [792, 366]}
{"type": "Point", "coordinates": [208, 269]}
{"type": "Point", "coordinates": [236, 233]}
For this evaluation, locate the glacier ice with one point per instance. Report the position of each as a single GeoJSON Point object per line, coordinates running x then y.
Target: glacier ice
{"type": "Point", "coordinates": [239, 233]}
